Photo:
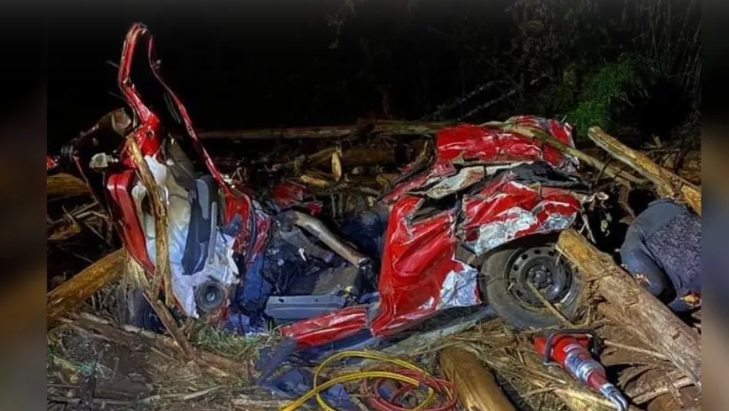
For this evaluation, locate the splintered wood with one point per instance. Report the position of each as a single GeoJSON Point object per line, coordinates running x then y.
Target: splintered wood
{"type": "Point", "coordinates": [657, 325]}
{"type": "Point", "coordinates": [83, 285]}
{"type": "Point", "coordinates": [365, 127]}
{"type": "Point", "coordinates": [65, 185]}
{"type": "Point", "coordinates": [667, 183]}
{"type": "Point", "coordinates": [476, 386]}
{"type": "Point", "coordinates": [163, 273]}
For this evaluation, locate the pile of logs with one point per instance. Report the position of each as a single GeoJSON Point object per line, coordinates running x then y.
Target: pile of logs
{"type": "Point", "coordinates": [625, 301]}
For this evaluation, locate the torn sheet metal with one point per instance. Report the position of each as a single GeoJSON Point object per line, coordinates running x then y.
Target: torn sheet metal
{"type": "Point", "coordinates": [459, 289]}
{"type": "Point", "coordinates": [128, 226]}
{"type": "Point", "coordinates": [435, 173]}
{"type": "Point", "coordinates": [326, 328]}
{"type": "Point", "coordinates": [289, 193]}
{"type": "Point", "coordinates": [419, 255]}
{"type": "Point", "coordinates": [465, 178]}
{"type": "Point", "coordinates": [51, 164]}
{"type": "Point", "coordinates": [504, 210]}
{"type": "Point", "coordinates": [491, 146]}
{"type": "Point", "coordinates": [465, 144]}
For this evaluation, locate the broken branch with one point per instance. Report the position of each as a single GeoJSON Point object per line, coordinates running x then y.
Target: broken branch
{"type": "Point", "coordinates": [162, 272]}
{"type": "Point", "coordinates": [619, 175]}
{"type": "Point", "coordinates": [658, 326]}
{"type": "Point", "coordinates": [378, 126]}
{"type": "Point", "coordinates": [131, 336]}
{"type": "Point", "coordinates": [65, 185]}
{"type": "Point", "coordinates": [667, 183]}
{"type": "Point", "coordinates": [81, 286]}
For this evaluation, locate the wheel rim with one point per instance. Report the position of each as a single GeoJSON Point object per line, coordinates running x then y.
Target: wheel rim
{"type": "Point", "coordinates": [552, 276]}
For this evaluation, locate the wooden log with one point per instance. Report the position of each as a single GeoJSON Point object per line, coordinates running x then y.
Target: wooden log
{"type": "Point", "coordinates": [63, 230]}
{"type": "Point", "coordinates": [358, 156]}
{"type": "Point", "coordinates": [133, 336]}
{"type": "Point", "coordinates": [81, 286]}
{"type": "Point", "coordinates": [476, 386]}
{"type": "Point", "coordinates": [686, 164]}
{"type": "Point", "coordinates": [65, 185]}
{"type": "Point", "coordinates": [658, 326]}
{"type": "Point", "coordinates": [363, 126]}
{"type": "Point", "coordinates": [361, 156]}
{"type": "Point", "coordinates": [667, 183]}
{"type": "Point", "coordinates": [619, 175]}
{"type": "Point", "coordinates": [648, 390]}
{"type": "Point", "coordinates": [163, 271]}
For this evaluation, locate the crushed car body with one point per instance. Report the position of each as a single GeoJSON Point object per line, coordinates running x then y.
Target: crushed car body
{"type": "Point", "coordinates": [467, 226]}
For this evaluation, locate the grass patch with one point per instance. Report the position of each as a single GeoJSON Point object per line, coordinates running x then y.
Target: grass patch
{"type": "Point", "coordinates": [235, 346]}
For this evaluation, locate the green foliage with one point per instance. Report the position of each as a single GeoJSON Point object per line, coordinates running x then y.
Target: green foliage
{"type": "Point", "coordinates": [602, 97]}
{"type": "Point", "coordinates": [613, 88]}
{"type": "Point", "coordinates": [229, 344]}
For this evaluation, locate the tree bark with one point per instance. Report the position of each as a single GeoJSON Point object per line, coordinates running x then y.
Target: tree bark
{"type": "Point", "coordinates": [65, 185]}
{"type": "Point", "coordinates": [619, 175]}
{"type": "Point", "coordinates": [132, 336]}
{"type": "Point", "coordinates": [81, 286]}
{"type": "Point", "coordinates": [658, 326]}
{"type": "Point", "coordinates": [163, 272]}
{"type": "Point", "coordinates": [363, 126]}
{"type": "Point", "coordinates": [667, 183]}
{"type": "Point", "coordinates": [476, 386]}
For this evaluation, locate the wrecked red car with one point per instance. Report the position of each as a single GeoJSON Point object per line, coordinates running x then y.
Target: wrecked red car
{"type": "Point", "coordinates": [471, 225]}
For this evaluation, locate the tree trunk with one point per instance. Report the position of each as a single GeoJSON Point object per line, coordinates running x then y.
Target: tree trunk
{"type": "Point", "coordinates": [65, 185]}
{"type": "Point", "coordinates": [363, 126]}
{"type": "Point", "coordinates": [81, 286]}
{"type": "Point", "coordinates": [619, 175]}
{"type": "Point", "coordinates": [132, 336]}
{"type": "Point", "coordinates": [163, 272]}
{"type": "Point", "coordinates": [667, 183]}
{"type": "Point", "coordinates": [658, 326]}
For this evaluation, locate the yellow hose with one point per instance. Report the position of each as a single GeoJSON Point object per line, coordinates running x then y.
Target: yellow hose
{"type": "Point", "coordinates": [371, 355]}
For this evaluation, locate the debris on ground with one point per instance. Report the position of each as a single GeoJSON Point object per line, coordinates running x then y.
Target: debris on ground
{"type": "Point", "coordinates": [381, 266]}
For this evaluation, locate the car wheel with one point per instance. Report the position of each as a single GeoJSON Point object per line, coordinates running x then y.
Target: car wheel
{"type": "Point", "coordinates": [506, 272]}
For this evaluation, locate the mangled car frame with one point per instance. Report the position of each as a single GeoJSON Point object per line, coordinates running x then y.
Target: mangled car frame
{"type": "Point", "coordinates": [471, 226]}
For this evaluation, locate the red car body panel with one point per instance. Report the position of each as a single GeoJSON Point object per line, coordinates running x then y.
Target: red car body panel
{"type": "Point", "coordinates": [471, 143]}
{"type": "Point", "coordinates": [419, 254]}
{"type": "Point", "coordinates": [128, 225]}
{"type": "Point", "coordinates": [327, 328]}
{"type": "Point", "coordinates": [419, 265]}
{"type": "Point", "coordinates": [147, 135]}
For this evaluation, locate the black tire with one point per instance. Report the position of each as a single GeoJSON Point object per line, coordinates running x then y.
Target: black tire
{"type": "Point", "coordinates": [138, 312]}
{"type": "Point", "coordinates": [501, 287]}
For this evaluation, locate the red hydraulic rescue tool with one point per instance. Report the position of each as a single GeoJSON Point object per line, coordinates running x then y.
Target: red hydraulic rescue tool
{"type": "Point", "coordinates": [569, 350]}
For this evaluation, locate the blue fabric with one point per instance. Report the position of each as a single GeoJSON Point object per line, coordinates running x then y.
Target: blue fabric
{"type": "Point", "coordinates": [662, 250]}
{"type": "Point", "coordinates": [297, 380]}
{"type": "Point", "coordinates": [141, 313]}
{"type": "Point", "coordinates": [246, 309]}
{"type": "Point", "coordinates": [367, 231]}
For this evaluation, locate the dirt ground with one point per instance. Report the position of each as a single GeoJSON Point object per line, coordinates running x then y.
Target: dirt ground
{"type": "Point", "coordinates": [86, 372]}
{"type": "Point", "coordinates": [89, 371]}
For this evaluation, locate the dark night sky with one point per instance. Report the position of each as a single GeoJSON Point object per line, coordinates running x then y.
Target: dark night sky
{"type": "Point", "coordinates": [261, 63]}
